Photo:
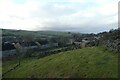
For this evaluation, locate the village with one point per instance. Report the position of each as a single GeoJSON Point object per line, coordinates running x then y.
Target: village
{"type": "Point", "coordinates": [10, 44]}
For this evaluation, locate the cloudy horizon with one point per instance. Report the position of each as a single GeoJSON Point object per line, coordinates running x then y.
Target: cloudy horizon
{"type": "Point", "coordinates": [85, 16]}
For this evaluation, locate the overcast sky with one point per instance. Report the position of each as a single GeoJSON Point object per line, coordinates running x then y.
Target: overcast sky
{"type": "Point", "coordinates": [84, 16]}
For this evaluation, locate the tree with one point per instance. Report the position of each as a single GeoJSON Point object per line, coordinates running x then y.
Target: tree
{"type": "Point", "coordinates": [19, 50]}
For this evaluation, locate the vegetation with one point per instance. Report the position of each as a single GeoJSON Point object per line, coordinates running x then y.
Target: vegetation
{"type": "Point", "coordinates": [7, 65]}
{"type": "Point", "coordinates": [89, 62]}
{"type": "Point", "coordinates": [111, 35]}
{"type": "Point", "coordinates": [9, 32]}
{"type": "Point", "coordinates": [67, 59]}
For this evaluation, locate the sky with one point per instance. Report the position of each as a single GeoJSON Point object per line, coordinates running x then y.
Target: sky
{"type": "Point", "coordinates": [84, 16]}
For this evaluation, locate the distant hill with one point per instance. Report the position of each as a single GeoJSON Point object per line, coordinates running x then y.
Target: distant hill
{"type": "Point", "coordinates": [10, 32]}
{"type": "Point", "coordinates": [86, 62]}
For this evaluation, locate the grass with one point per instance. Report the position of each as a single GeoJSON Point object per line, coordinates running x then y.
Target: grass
{"type": "Point", "coordinates": [7, 65]}
{"type": "Point", "coordinates": [25, 33]}
{"type": "Point", "coordinates": [90, 62]}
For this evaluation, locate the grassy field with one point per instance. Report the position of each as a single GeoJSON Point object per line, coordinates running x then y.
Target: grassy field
{"type": "Point", "coordinates": [7, 65]}
{"type": "Point", "coordinates": [11, 32]}
{"type": "Point", "coordinates": [90, 62]}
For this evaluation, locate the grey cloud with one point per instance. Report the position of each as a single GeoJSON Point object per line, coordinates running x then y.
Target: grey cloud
{"type": "Point", "coordinates": [63, 16]}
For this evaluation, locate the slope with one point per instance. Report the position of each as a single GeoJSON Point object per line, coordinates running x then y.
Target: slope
{"type": "Point", "coordinates": [86, 62]}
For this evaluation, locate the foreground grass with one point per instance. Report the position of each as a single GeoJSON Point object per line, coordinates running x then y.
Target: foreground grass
{"type": "Point", "coordinates": [7, 65]}
{"type": "Point", "coordinates": [90, 62]}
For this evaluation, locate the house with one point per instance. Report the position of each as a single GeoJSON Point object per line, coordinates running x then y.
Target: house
{"type": "Point", "coordinates": [78, 43]}
{"type": "Point", "coordinates": [90, 41]}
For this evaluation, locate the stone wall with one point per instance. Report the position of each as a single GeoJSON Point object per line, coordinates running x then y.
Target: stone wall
{"type": "Point", "coordinates": [112, 45]}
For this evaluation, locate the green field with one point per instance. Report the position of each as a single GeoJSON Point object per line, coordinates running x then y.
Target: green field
{"type": "Point", "coordinates": [10, 32]}
{"type": "Point", "coordinates": [89, 62]}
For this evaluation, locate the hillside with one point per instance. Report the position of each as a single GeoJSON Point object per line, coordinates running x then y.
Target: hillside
{"type": "Point", "coordinates": [10, 32]}
{"type": "Point", "coordinates": [86, 62]}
